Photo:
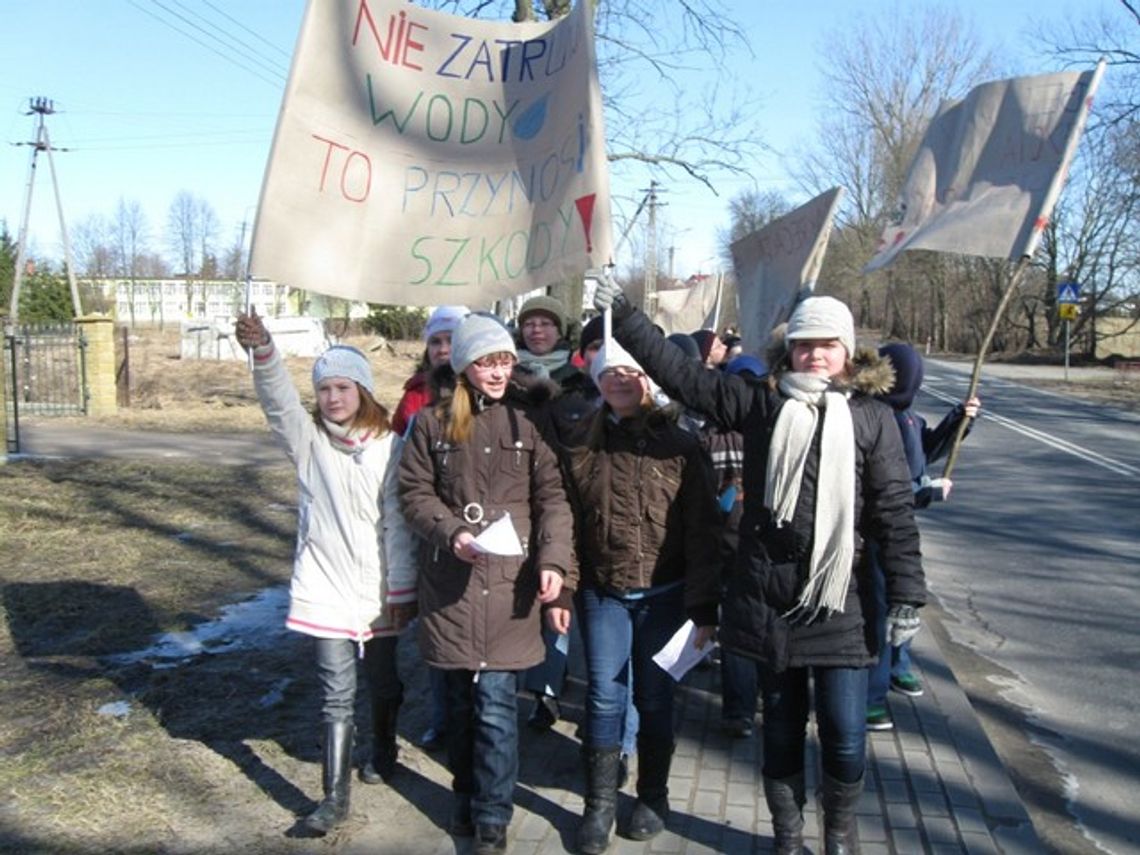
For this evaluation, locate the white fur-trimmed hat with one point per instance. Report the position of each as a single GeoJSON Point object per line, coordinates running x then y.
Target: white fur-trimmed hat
{"type": "Point", "coordinates": [822, 318]}
{"type": "Point", "coordinates": [478, 336]}
{"type": "Point", "coordinates": [341, 360]}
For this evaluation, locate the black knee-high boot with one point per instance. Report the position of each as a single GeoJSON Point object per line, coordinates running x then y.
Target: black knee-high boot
{"type": "Point", "coordinates": [840, 829]}
{"type": "Point", "coordinates": [601, 800]}
{"type": "Point", "coordinates": [654, 757]}
{"type": "Point", "coordinates": [385, 714]}
{"type": "Point", "coordinates": [336, 763]}
{"type": "Point", "coordinates": [785, 797]}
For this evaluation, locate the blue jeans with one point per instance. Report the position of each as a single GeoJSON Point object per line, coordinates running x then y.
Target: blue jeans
{"type": "Point", "coordinates": [336, 671]}
{"type": "Point", "coordinates": [621, 635]}
{"type": "Point", "coordinates": [739, 685]}
{"type": "Point", "coordinates": [893, 661]}
{"type": "Point", "coordinates": [483, 741]}
{"type": "Point", "coordinates": [548, 677]}
{"type": "Point", "coordinates": [840, 714]}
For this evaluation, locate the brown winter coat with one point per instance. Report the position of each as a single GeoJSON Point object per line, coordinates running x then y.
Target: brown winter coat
{"type": "Point", "coordinates": [485, 616]}
{"type": "Point", "coordinates": [646, 506]}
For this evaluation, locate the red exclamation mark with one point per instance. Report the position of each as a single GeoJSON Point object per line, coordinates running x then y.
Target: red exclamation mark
{"type": "Point", "coordinates": [585, 206]}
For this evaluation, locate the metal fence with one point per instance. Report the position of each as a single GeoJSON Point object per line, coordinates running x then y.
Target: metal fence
{"type": "Point", "coordinates": [45, 370]}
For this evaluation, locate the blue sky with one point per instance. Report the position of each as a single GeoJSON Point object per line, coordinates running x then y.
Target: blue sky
{"type": "Point", "coordinates": [147, 111]}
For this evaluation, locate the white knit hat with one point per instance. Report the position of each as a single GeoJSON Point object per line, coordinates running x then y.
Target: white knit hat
{"type": "Point", "coordinates": [444, 319]}
{"type": "Point", "coordinates": [477, 336]}
{"type": "Point", "coordinates": [822, 318]}
{"type": "Point", "coordinates": [340, 360]}
{"type": "Point", "coordinates": [612, 355]}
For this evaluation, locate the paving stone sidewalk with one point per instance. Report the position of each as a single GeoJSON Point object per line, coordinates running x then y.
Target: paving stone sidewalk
{"type": "Point", "coordinates": [934, 784]}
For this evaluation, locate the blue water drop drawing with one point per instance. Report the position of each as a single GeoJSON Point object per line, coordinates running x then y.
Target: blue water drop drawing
{"type": "Point", "coordinates": [528, 125]}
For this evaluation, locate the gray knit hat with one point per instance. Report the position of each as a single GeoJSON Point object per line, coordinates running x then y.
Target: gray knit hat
{"type": "Point", "coordinates": [822, 318]}
{"type": "Point", "coordinates": [340, 360]}
{"type": "Point", "coordinates": [544, 305]}
{"type": "Point", "coordinates": [479, 335]}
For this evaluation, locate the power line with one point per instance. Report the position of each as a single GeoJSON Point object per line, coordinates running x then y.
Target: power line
{"type": "Point", "coordinates": [256, 35]}
{"type": "Point", "coordinates": [272, 64]}
{"type": "Point", "coordinates": [277, 80]}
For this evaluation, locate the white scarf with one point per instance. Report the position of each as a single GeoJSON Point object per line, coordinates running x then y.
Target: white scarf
{"type": "Point", "coordinates": [833, 542]}
{"type": "Point", "coordinates": [346, 439]}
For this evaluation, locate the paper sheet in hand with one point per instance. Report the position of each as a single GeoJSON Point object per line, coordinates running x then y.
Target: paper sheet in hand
{"type": "Point", "coordinates": [500, 538]}
{"type": "Point", "coordinates": [679, 655]}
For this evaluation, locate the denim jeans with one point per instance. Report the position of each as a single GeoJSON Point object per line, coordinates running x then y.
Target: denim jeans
{"type": "Point", "coordinates": [621, 635]}
{"type": "Point", "coordinates": [336, 670]}
{"type": "Point", "coordinates": [483, 741]}
{"type": "Point", "coordinates": [893, 661]}
{"type": "Point", "coordinates": [437, 681]}
{"type": "Point", "coordinates": [840, 713]}
{"type": "Point", "coordinates": [548, 677]}
{"type": "Point", "coordinates": [739, 685]}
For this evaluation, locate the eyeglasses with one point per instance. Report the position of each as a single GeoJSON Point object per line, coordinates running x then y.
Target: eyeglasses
{"type": "Point", "coordinates": [538, 324]}
{"type": "Point", "coordinates": [490, 363]}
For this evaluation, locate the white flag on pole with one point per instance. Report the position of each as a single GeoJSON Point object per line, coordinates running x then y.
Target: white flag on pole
{"type": "Point", "coordinates": [990, 168]}
{"type": "Point", "coordinates": [775, 263]}
{"type": "Point", "coordinates": [422, 158]}
{"type": "Point", "coordinates": [690, 309]}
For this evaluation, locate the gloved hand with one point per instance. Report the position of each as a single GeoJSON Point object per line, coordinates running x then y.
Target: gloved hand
{"type": "Point", "coordinates": [608, 295]}
{"type": "Point", "coordinates": [903, 623]}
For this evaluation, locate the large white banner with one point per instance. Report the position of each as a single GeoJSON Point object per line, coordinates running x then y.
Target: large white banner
{"type": "Point", "coordinates": [990, 168]}
{"type": "Point", "coordinates": [690, 309]}
{"type": "Point", "coordinates": [776, 263]}
{"type": "Point", "coordinates": [422, 158]}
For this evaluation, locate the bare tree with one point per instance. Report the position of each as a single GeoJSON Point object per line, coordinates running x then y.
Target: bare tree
{"type": "Point", "coordinates": [94, 248]}
{"type": "Point", "coordinates": [885, 78]}
{"type": "Point", "coordinates": [130, 233]}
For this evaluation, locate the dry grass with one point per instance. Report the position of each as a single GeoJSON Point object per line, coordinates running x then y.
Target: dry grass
{"type": "Point", "coordinates": [171, 393]}
{"type": "Point", "coordinates": [96, 558]}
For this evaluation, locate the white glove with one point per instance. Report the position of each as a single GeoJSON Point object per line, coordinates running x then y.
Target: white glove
{"type": "Point", "coordinates": [903, 623]}
{"type": "Point", "coordinates": [608, 294]}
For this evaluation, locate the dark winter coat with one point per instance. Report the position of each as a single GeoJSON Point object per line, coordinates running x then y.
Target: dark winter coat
{"type": "Point", "coordinates": [772, 563]}
{"type": "Point", "coordinates": [485, 616]}
{"type": "Point", "coordinates": [646, 507]}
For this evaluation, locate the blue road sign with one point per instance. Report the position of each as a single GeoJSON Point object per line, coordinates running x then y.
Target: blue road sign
{"type": "Point", "coordinates": [1068, 292]}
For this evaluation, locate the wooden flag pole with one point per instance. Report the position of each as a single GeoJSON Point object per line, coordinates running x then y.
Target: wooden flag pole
{"type": "Point", "coordinates": [975, 380]}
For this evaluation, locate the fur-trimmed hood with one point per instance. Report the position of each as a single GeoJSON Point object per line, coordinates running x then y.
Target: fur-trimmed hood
{"type": "Point", "coordinates": [873, 373]}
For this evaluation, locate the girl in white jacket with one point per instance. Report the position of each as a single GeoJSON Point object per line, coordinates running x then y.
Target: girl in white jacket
{"type": "Point", "coordinates": [354, 574]}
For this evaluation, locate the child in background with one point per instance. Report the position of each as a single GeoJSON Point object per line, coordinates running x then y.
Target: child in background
{"type": "Point", "coordinates": [923, 445]}
{"type": "Point", "coordinates": [417, 394]}
{"type": "Point", "coordinates": [354, 577]}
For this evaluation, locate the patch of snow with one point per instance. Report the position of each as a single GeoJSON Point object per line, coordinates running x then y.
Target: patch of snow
{"type": "Point", "coordinates": [116, 709]}
{"type": "Point", "coordinates": [253, 624]}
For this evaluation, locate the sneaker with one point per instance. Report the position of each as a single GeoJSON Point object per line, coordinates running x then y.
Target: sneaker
{"type": "Point", "coordinates": [737, 728]}
{"type": "Point", "coordinates": [879, 719]}
{"type": "Point", "coordinates": [907, 684]}
{"type": "Point", "coordinates": [544, 715]}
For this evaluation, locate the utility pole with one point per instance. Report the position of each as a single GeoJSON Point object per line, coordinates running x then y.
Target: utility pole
{"type": "Point", "coordinates": [41, 107]}
{"type": "Point", "coordinates": [650, 302]}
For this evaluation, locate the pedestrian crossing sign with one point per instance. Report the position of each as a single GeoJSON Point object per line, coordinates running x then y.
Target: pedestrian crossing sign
{"type": "Point", "coordinates": [1068, 292]}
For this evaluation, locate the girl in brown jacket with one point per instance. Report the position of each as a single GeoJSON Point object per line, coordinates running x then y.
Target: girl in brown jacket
{"type": "Point", "coordinates": [643, 492]}
{"type": "Point", "coordinates": [475, 459]}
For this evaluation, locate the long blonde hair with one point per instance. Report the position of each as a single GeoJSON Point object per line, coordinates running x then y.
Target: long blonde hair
{"type": "Point", "coordinates": [457, 412]}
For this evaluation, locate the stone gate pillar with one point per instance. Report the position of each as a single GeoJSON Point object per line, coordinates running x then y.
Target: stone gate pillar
{"type": "Point", "coordinates": [100, 335]}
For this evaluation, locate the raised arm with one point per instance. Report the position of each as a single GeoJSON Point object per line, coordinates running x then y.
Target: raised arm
{"type": "Point", "coordinates": [288, 419]}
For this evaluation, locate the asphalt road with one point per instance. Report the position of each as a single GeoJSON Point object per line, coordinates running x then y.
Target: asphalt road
{"type": "Point", "coordinates": [1036, 562]}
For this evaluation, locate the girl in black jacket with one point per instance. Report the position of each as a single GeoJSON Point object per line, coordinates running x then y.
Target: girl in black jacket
{"type": "Point", "coordinates": [824, 472]}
